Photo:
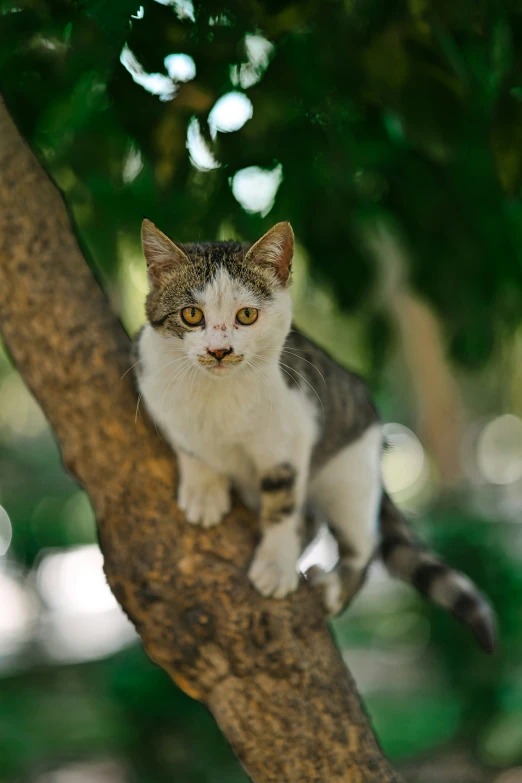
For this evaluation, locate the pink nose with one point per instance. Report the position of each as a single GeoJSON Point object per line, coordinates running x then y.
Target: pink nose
{"type": "Point", "coordinates": [219, 353]}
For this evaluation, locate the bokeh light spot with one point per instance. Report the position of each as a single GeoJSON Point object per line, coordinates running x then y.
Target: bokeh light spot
{"type": "Point", "coordinates": [259, 52]}
{"type": "Point", "coordinates": [155, 83]}
{"type": "Point", "coordinates": [184, 8]}
{"type": "Point", "coordinates": [6, 531]}
{"type": "Point", "coordinates": [256, 188]}
{"type": "Point", "coordinates": [17, 614]}
{"type": "Point", "coordinates": [230, 112]}
{"type": "Point", "coordinates": [20, 415]}
{"type": "Point", "coordinates": [87, 772]}
{"type": "Point", "coordinates": [200, 153]}
{"type": "Point", "coordinates": [132, 166]}
{"type": "Point", "coordinates": [403, 463]}
{"type": "Point", "coordinates": [180, 67]}
{"type": "Point", "coordinates": [83, 620]}
{"type": "Point", "coordinates": [73, 580]}
{"type": "Point", "coordinates": [499, 450]}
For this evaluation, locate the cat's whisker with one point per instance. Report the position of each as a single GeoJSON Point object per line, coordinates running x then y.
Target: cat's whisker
{"type": "Point", "coordinates": [302, 358]}
{"type": "Point", "coordinates": [262, 371]}
{"type": "Point", "coordinates": [140, 395]}
{"type": "Point", "coordinates": [169, 364]}
{"type": "Point", "coordinates": [260, 374]}
{"type": "Point", "coordinates": [130, 368]}
{"type": "Point", "coordinates": [183, 375]}
{"type": "Point", "coordinates": [250, 371]}
{"type": "Point", "coordinates": [268, 389]}
{"type": "Point", "coordinates": [262, 357]}
{"type": "Point", "coordinates": [174, 375]}
{"type": "Point", "coordinates": [285, 350]}
{"type": "Point", "coordinates": [304, 379]}
{"type": "Point", "coordinates": [180, 371]}
{"type": "Point", "coordinates": [290, 376]}
{"type": "Point", "coordinates": [157, 371]}
{"type": "Point", "coordinates": [193, 377]}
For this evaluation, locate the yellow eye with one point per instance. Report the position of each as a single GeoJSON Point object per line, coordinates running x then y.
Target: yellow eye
{"type": "Point", "coordinates": [247, 316]}
{"type": "Point", "coordinates": [192, 316]}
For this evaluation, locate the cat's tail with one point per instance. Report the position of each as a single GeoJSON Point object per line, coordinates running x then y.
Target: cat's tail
{"type": "Point", "coordinates": [408, 560]}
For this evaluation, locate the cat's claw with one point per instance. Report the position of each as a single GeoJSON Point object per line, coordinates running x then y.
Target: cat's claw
{"type": "Point", "coordinates": [205, 503]}
{"type": "Point", "coordinates": [274, 573]}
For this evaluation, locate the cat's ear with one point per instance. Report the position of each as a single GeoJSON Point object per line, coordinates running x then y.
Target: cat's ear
{"type": "Point", "coordinates": [275, 249]}
{"type": "Point", "coordinates": [161, 253]}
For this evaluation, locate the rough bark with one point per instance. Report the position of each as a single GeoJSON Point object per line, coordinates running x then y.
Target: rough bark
{"type": "Point", "coordinates": [268, 670]}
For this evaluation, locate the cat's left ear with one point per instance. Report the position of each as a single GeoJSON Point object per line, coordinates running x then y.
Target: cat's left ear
{"type": "Point", "coordinates": [161, 253]}
{"type": "Point", "coordinates": [275, 249]}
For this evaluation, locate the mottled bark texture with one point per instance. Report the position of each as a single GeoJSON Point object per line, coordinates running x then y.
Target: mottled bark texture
{"type": "Point", "coordinates": [267, 670]}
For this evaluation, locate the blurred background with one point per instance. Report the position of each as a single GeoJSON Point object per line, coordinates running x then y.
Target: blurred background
{"type": "Point", "coordinates": [390, 135]}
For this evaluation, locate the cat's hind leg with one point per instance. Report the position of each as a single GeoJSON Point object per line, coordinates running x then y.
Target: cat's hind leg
{"type": "Point", "coordinates": [347, 491]}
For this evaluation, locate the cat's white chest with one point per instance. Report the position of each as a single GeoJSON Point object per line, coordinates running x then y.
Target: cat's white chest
{"type": "Point", "coordinates": [206, 419]}
{"type": "Point", "coordinates": [209, 418]}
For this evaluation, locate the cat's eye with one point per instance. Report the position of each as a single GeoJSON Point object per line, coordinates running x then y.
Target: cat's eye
{"type": "Point", "coordinates": [193, 316]}
{"type": "Point", "coordinates": [247, 316]}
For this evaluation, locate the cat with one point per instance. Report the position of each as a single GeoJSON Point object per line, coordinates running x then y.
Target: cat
{"type": "Point", "coordinates": [249, 403]}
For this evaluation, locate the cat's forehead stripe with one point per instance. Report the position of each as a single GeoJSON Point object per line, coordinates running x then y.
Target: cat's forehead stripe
{"type": "Point", "coordinates": [225, 289]}
{"type": "Point", "coordinates": [208, 258]}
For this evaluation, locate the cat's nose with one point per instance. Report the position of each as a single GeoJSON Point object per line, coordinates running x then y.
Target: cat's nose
{"type": "Point", "coordinates": [219, 353]}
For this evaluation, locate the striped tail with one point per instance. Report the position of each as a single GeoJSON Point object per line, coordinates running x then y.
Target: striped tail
{"type": "Point", "coordinates": [406, 559]}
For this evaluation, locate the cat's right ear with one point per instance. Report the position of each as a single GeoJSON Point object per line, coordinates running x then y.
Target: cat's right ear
{"type": "Point", "coordinates": [274, 251]}
{"type": "Point", "coordinates": [161, 253]}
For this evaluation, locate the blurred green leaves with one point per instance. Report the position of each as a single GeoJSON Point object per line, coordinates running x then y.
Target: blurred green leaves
{"type": "Point", "coordinates": [411, 110]}
{"type": "Point", "coordinates": [123, 709]}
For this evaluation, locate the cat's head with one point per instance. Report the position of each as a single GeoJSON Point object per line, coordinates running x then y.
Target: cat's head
{"type": "Point", "coordinates": [224, 304]}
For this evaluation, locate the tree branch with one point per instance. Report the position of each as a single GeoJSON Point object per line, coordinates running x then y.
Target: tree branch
{"type": "Point", "coordinates": [267, 670]}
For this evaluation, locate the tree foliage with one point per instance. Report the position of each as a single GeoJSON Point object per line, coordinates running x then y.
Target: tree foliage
{"type": "Point", "coordinates": [409, 112]}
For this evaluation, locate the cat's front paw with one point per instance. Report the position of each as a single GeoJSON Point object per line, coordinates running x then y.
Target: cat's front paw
{"type": "Point", "coordinates": [273, 571]}
{"type": "Point", "coordinates": [204, 501]}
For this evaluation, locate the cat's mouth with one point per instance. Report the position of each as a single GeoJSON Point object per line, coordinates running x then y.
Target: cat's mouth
{"type": "Point", "coordinates": [220, 367]}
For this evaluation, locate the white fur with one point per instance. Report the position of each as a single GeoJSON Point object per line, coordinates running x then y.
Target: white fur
{"type": "Point", "coordinates": [274, 567]}
{"type": "Point", "coordinates": [232, 426]}
{"type": "Point", "coordinates": [348, 491]}
{"type": "Point", "coordinates": [203, 494]}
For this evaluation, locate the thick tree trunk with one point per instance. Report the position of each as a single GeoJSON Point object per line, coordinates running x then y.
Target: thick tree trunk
{"type": "Point", "coordinates": [267, 670]}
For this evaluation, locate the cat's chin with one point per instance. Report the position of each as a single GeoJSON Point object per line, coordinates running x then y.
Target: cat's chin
{"type": "Point", "coordinates": [222, 370]}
